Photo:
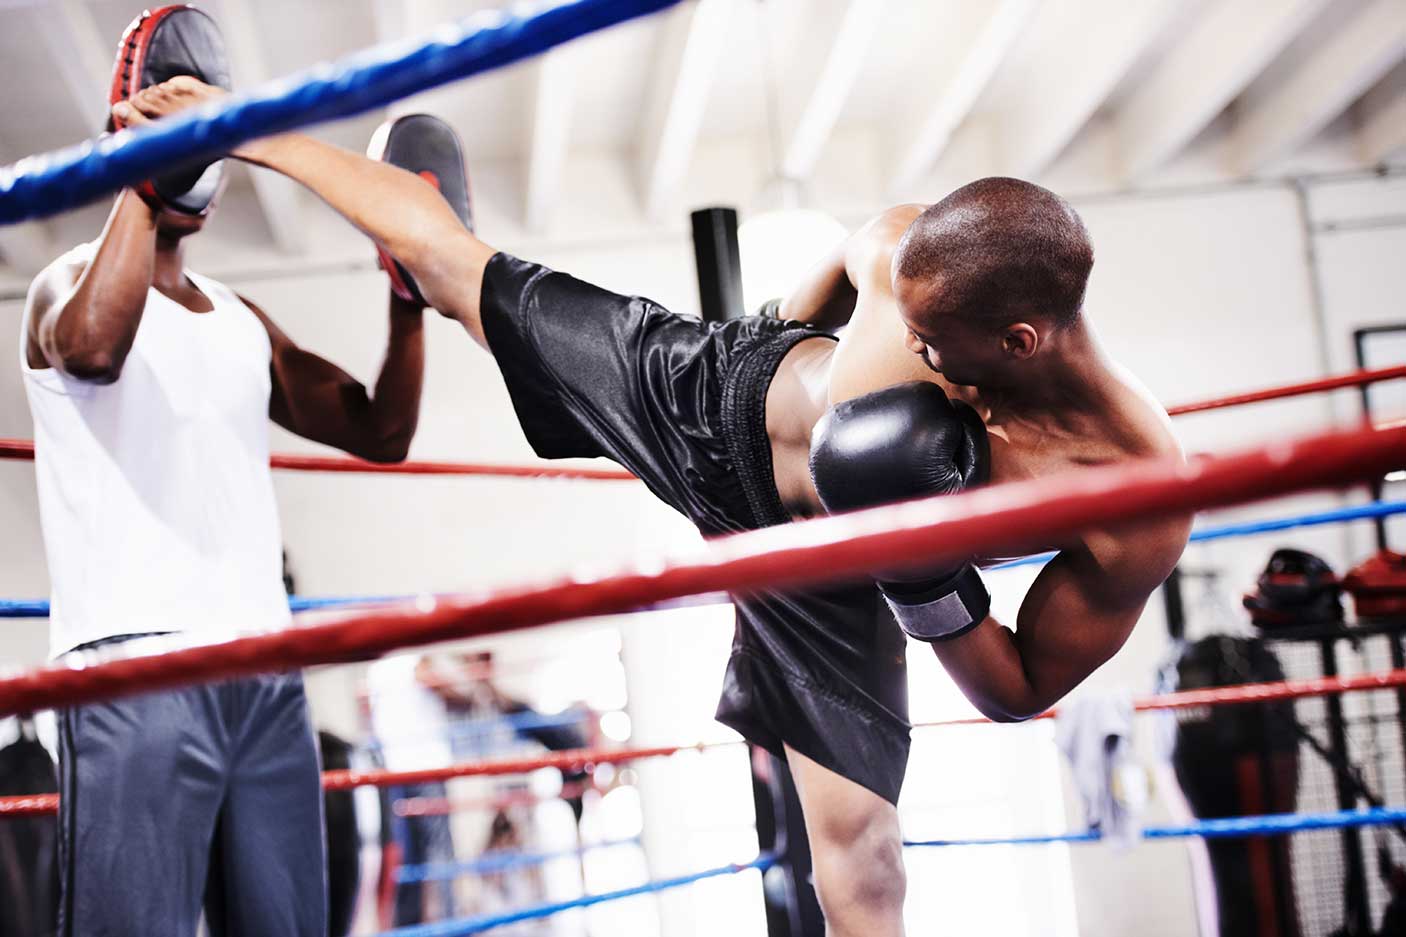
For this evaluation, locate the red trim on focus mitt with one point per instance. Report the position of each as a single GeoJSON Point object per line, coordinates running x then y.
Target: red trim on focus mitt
{"type": "Point", "coordinates": [430, 148]}
{"type": "Point", "coordinates": [159, 45]}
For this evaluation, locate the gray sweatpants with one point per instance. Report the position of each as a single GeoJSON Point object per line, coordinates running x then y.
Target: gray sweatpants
{"type": "Point", "coordinates": [208, 796]}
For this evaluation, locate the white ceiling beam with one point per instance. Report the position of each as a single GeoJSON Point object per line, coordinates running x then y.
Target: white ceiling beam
{"type": "Point", "coordinates": [81, 57]}
{"type": "Point", "coordinates": [1074, 69]}
{"type": "Point", "coordinates": [279, 197]}
{"type": "Point", "coordinates": [695, 37]}
{"type": "Point", "coordinates": [1214, 61]}
{"type": "Point", "coordinates": [826, 86]}
{"type": "Point", "coordinates": [1328, 80]}
{"type": "Point", "coordinates": [391, 18]}
{"type": "Point", "coordinates": [549, 130]}
{"type": "Point", "coordinates": [82, 63]}
{"type": "Point", "coordinates": [985, 54]}
{"type": "Point", "coordinates": [1381, 129]}
{"type": "Point", "coordinates": [26, 247]}
{"type": "Point", "coordinates": [391, 21]}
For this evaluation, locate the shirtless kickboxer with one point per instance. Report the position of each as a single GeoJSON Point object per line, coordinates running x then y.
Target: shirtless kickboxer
{"type": "Point", "coordinates": [967, 359]}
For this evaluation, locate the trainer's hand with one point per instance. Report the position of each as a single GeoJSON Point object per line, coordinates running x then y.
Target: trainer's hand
{"type": "Point", "coordinates": [164, 99]}
{"type": "Point", "coordinates": [173, 96]}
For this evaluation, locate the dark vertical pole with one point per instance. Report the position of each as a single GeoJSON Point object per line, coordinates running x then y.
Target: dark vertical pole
{"type": "Point", "coordinates": [1398, 661]}
{"type": "Point", "coordinates": [1359, 341]}
{"type": "Point", "coordinates": [1394, 640]}
{"type": "Point", "coordinates": [1174, 605]}
{"type": "Point", "coordinates": [719, 264]}
{"type": "Point", "coordinates": [792, 908]}
{"type": "Point", "coordinates": [1357, 916]}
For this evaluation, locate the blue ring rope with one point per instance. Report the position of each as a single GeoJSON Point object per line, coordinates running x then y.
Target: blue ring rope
{"type": "Point", "coordinates": [1269, 825]}
{"type": "Point", "coordinates": [1274, 824]}
{"type": "Point", "coordinates": [49, 183]}
{"type": "Point", "coordinates": [475, 925]}
{"type": "Point", "coordinates": [483, 727]}
{"type": "Point", "coordinates": [498, 860]}
{"type": "Point", "coordinates": [1338, 515]}
{"type": "Point", "coordinates": [39, 608]}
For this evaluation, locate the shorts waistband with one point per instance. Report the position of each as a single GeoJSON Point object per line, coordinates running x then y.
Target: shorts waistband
{"type": "Point", "coordinates": [744, 419]}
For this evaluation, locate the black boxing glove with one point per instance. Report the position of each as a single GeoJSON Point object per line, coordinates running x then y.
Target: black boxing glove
{"type": "Point", "coordinates": [896, 444]}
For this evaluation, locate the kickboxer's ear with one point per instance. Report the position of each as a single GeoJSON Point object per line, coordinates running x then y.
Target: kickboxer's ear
{"type": "Point", "coordinates": [1020, 340]}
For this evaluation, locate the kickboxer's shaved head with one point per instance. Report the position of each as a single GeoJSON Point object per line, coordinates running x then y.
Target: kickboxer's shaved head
{"type": "Point", "coordinates": [998, 250]}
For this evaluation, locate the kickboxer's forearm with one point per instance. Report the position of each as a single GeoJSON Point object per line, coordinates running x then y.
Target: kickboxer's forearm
{"type": "Point", "coordinates": [1071, 621]}
{"type": "Point", "coordinates": [987, 666]}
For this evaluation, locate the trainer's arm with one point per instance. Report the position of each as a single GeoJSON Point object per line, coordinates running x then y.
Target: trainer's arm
{"type": "Point", "coordinates": [83, 319]}
{"type": "Point", "coordinates": [398, 209]}
{"type": "Point", "coordinates": [1078, 613]}
{"type": "Point", "coordinates": [319, 401]}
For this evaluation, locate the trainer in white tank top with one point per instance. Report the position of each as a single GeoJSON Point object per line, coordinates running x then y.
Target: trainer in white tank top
{"type": "Point", "coordinates": [155, 496]}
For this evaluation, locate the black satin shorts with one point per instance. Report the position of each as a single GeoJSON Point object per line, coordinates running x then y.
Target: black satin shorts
{"type": "Point", "coordinates": [682, 404]}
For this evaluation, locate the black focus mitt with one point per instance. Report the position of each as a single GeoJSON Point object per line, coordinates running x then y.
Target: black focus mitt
{"type": "Point", "coordinates": [430, 148]}
{"type": "Point", "coordinates": [159, 45]}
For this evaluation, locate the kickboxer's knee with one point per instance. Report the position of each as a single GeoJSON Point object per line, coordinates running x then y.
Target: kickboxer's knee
{"type": "Point", "coordinates": [865, 870]}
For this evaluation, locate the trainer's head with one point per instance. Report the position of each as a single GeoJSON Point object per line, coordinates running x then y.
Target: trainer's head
{"type": "Point", "coordinates": [986, 276]}
{"type": "Point", "coordinates": [173, 224]}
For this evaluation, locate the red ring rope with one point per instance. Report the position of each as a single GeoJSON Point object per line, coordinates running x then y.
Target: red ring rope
{"type": "Point", "coordinates": [1232, 695]}
{"type": "Point", "coordinates": [24, 448]}
{"type": "Point", "coordinates": [29, 805]}
{"type": "Point", "coordinates": [443, 806]}
{"type": "Point", "coordinates": [981, 522]}
{"type": "Point", "coordinates": [577, 760]}
{"type": "Point", "coordinates": [584, 759]}
{"type": "Point", "coordinates": [1351, 379]}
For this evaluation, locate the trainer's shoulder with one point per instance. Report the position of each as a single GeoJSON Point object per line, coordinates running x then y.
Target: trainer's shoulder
{"type": "Point", "coordinates": [56, 280]}
{"type": "Point", "coordinates": [75, 258]}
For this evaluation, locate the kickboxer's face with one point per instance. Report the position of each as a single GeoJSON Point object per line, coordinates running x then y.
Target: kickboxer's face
{"type": "Point", "coordinates": [948, 342]}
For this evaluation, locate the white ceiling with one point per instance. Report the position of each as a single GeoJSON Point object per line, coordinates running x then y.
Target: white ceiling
{"type": "Point", "coordinates": [941, 87]}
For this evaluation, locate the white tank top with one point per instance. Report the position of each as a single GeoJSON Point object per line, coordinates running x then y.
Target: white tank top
{"type": "Point", "coordinates": [155, 495]}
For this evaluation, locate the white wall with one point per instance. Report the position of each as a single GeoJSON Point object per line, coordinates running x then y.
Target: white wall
{"type": "Point", "coordinates": [1198, 292]}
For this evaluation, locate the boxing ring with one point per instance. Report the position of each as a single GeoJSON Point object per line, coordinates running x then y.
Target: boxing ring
{"type": "Point", "coordinates": [802, 553]}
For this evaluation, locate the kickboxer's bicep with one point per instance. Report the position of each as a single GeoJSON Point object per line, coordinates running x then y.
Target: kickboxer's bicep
{"type": "Point", "coordinates": [1083, 606]}
{"type": "Point", "coordinates": [1064, 630]}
